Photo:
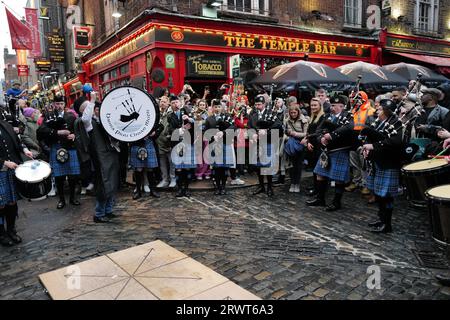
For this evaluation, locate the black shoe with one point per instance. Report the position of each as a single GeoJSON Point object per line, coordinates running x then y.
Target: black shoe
{"type": "Point", "coordinates": [217, 192]}
{"type": "Point", "coordinates": [75, 202]}
{"type": "Point", "coordinates": [316, 203]}
{"type": "Point", "coordinates": [333, 207]}
{"type": "Point", "coordinates": [444, 280]}
{"type": "Point", "coordinates": [383, 228]}
{"type": "Point", "coordinates": [181, 193]}
{"type": "Point", "coordinates": [259, 191]}
{"type": "Point", "coordinates": [375, 224]}
{"type": "Point", "coordinates": [223, 192]}
{"type": "Point", "coordinates": [6, 241]}
{"type": "Point", "coordinates": [101, 220]}
{"type": "Point", "coordinates": [111, 215]}
{"type": "Point", "coordinates": [154, 194]}
{"type": "Point", "coordinates": [14, 237]}
{"type": "Point", "coordinates": [61, 205]}
{"type": "Point", "coordinates": [187, 194]}
{"type": "Point", "coordinates": [270, 192]}
{"type": "Point", "coordinates": [137, 195]}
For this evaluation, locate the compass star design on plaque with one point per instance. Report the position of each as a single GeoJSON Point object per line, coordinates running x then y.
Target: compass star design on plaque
{"type": "Point", "coordinates": [153, 271]}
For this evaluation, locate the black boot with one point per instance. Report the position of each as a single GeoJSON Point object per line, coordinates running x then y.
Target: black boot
{"type": "Point", "coordinates": [10, 219]}
{"type": "Point", "coordinates": [186, 186]}
{"type": "Point", "coordinates": [152, 185]}
{"type": "Point", "coordinates": [72, 188]}
{"type": "Point", "coordinates": [336, 204]}
{"type": "Point", "coordinates": [319, 201]}
{"type": "Point", "coordinates": [60, 189]}
{"type": "Point", "coordinates": [138, 176]}
{"type": "Point", "coordinates": [282, 179]}
{"type": "Point", "coordinates": [381, 209]}
{"type": "Point", "coordinates": [269, 186]}
{"type": "Point", "coordinates": [261, 188]}
{"type": "Point", "coordinates": [218, 181]}
{"type": "Point", "coordinates": [5, 240]}
{"type": "Point", "coordinates": [386, 226]}
{"type": "Point", "coordinates": [223, 192]}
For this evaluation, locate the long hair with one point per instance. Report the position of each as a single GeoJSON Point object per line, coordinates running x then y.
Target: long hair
{"type": "Point", "coordinates": [315, 117]}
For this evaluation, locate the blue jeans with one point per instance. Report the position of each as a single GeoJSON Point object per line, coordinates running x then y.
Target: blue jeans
{"type": "Point", "coordinates": [102, 208]}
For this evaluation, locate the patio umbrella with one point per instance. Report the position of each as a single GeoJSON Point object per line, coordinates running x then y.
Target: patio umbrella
{"type": "Point", "coordinates": [373, 76]}
{"type": "Point", "coordinates": [304, 75]}
{"type": "Point", "coordinates": [410, 71]}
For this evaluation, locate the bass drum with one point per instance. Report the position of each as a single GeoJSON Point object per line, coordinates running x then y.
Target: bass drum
{"type": "Point", "coordinates": [33, 180]}
{"type": "Point", "coordinates": [420, 176]}
{"type": "Point", "coordinates": [439, 209]}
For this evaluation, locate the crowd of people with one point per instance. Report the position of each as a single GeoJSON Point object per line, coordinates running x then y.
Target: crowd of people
{"type": "Point", "coordinates": [349, 141]}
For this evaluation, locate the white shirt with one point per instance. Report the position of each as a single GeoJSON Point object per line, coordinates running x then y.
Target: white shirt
{"type": "Point", "coordinates": [86, 118]}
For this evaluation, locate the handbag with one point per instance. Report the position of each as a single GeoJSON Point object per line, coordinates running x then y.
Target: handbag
{"type": "Point", "coordinates": [293, 146]}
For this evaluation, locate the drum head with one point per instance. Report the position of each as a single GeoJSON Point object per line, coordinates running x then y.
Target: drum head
{"type": "Point", "coordinates": [33, 171]}
{"type": "Point", "coordinates": [441, 192]}
{"type": "Point", "coordinates": [129, 114]}
{"type": "Point", "coordinates": [425, 165]}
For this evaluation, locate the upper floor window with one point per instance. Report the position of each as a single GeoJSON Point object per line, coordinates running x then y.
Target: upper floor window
{"type": "Point", "coordinates": [259, 7]}
{"type": "Point", "coordinates": [427, 15]}
{"type": "Point", "coordinates": [353, 13]}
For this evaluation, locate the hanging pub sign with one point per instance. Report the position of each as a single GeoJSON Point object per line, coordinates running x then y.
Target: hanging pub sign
{"type": "Point", "coordinates": [82, 37]}
{"type": "Point", "coordinates": [56, 47]}
{"type": "Point", "coordinates": [23, 70]}
{"type": "Point", "coordinates": [43, 65]}
{"type": "Point", "coordinates": [199, 65]}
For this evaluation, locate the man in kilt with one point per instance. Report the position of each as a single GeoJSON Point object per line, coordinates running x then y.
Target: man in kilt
{"type": "Point", "coordinates": [10, 157]}
{"type": "Point", "coordinates": [266, 123]}
{"type": "Point", "coordinates": [221, 149]}
{"type": "Point", "coordinates": [58, 132]}
{"type": "Point", "coordinates": [143, 159]}
{"type": "Point", "coordinates": [183, 152]}
{"type": "Point", "coordinates": [334, 163]}
{"type": "Point", "coordinates": [383, 149]}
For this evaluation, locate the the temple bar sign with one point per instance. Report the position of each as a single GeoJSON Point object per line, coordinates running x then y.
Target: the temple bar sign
{"type": "Point", "coordinates": [266, 43]}
{"type": "Point", "coordinates": [205, 65]}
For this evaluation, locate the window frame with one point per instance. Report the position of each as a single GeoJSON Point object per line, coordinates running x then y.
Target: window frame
{"type": "Point", "coordinates": [254, 9]}
{"type": "Point", "coordinates": [358, 22]}
{"type": "Point", "coordinates": [432, 24]}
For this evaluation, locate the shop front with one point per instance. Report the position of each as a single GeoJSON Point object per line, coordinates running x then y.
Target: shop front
{"type": "Point", "coordinates": [431, 53]}
{"type": "Point", "coordinates": [169, 50]}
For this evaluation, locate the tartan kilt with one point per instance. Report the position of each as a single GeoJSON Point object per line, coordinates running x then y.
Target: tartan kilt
{"type": "Point", "coordinates": [70, 168]}
{"type": "Point", "coordinates": [187, 160]}
{"type": "Point", "coordinates": [338, 167]}
{"type": "Point", "coordinates": [150, 162]}
{"type": "Point", "coordinates": [384, 182]}
{"type": "Point", "coordinates": [228, 158]}
{"type": "Point", "coordinates": [8, 192]}
{"type": "Point", "coordinates": [269, 156]}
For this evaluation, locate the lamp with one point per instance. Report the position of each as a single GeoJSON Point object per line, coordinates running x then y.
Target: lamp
{"type": "Point", "coordinates": [214, 3]}
{"type": "Point", "coordinates": [321, 16]}
{"type": "Point", "coordinates": [401, 18]}
{"type": "Point", "coordinates": [116, 14]}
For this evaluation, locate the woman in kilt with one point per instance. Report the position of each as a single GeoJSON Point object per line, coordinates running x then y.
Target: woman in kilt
{"type": "Point", "coordinates": [384, 151]}
{"type": "Point", "coordinates": [336, 143]}
{"type": "Point", "coordinates": [143, 160]}
{"type": "Point", "coordinates": [10, 157]}
{"type": "Point", "coordinates": [221, 148]}
{"type": "Point", "coordinates": [57, 131]}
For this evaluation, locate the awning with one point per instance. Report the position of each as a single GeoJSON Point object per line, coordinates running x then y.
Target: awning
{"type": "Point", "coordinates": [437, 61]}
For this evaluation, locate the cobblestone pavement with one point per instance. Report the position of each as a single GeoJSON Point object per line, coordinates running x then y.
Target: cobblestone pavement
{"type": "Point", "coordinates": [276, 248]}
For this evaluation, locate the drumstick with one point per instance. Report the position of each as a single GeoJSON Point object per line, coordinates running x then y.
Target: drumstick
{"type": "Point", "coordinates": [440, 154]}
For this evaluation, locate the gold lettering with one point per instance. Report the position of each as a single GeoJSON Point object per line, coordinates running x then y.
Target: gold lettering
{"type": "Point", "coordinates": [318, 48]}
{"type": "Point", "coordinates": [240, 42]}
{"type": "Point", "coordinates": [332, 50]}
{"type": "Point", "coordinates": [229, 41]}
{"type": "Point", "coordinates": [305, 47]}
{"type": "Point", "coordinates": [264, 43]}
{"type": "Point", "coordinates": [273, 44]}
{"type": "Point", "coordinates": [282, 45]}
{"type": "Point", "coordinates": [325, 49]}
{"type": "Point", "coordinates": [251, 43]}
{"type": "Point", "coordinates": [291, 46]}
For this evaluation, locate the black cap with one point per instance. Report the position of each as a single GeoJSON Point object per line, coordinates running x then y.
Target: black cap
{"type": "Point", "coordinates": [339, 99]}
{"type": "Point", "coordinates": [388, 104]}
{"type": "Point", "coordinates": [216, 102]}
{"type": "Point", "coordinates": [77, 104]}
{"type": "Point", "coordinates": [59, 98]}
{"type": "Point", "coordinates": [260, 99]}
{"type": "Point", "coordinates": [173, 97]}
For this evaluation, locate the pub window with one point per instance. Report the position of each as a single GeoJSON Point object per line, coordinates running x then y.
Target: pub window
{"type": "Point", "coordinates": [114, 74]}
{"type": "Point", "coordinates": [353, 13]}
{"type": "Point", "coordinates": [124, 69]}
{"type": "Point", "coordinates": [259, 7]}
{"type": "Point", "coordinates": [427, 15]}
{"type": "Point", "coordinates": [105, 77]}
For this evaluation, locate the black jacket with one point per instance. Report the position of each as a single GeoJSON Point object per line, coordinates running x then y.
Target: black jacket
{"type": "Point", "coordinates": [255, 123]}
{"type": "Point", "coordinates": [48, 131]}
{"type": "Point", "coordinates": [223, 125]}
{"type": "Point", "coordinates": [342, 135]}
{"type": "Point", "coordinates": [12, 155]}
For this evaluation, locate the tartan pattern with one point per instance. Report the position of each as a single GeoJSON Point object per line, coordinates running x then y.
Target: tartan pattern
{"type": "Point", "coordinates": [187, 161]}
{"type": "Point", "coordinates": [70, 168]}
{"type": "Point", "coordinates": [228, 158]}
{"type": "Point", "coordinates": [268, 160]}
{"type": "Point", "coordinates": [338, 168]}
{"type": "Point", "coordinates": [384, 182]}
{"type": "Point", "coordinates": [150, 162]}
{"type": "Point", "coordinates": [8, 194]}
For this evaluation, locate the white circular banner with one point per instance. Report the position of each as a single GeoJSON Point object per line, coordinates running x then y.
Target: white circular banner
{"type": "Point", "coordinates": [129, 114]}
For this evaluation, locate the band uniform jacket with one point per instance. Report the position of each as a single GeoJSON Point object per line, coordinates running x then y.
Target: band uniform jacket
{"type": "Point", "coordinates": [276, 125]}
{"type": "Point", "coordinates": [342, 135]}
{"type": "Point", "coordinates": [48, 131]}
{"type": "Point", "coordinates": [12, 155]}
{"type": "Point", "coordinates": [212, 123]}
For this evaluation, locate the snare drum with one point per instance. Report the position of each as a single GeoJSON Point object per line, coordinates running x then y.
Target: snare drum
{"type": "Point", "coordinates": [33, 180]}
{"type": "Point", "coordinates": [439, 209]}
{"type": "Point", "coordinates": [420, 176]}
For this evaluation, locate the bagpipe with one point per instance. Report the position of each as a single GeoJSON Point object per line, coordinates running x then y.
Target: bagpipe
{"type": "Point", "coordinates": [12, 116]}
{"type": "Point", "coordinates": [270, 116]}
{"type": "Point", "coordinates": [355, 98]}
